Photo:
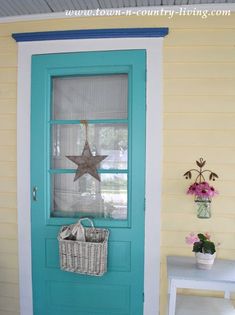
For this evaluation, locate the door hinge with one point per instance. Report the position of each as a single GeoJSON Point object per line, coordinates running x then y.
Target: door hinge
{"type": "Point", "coordinates": [144, 204]}
{"type": "Point", "coordinates": [143, 297]}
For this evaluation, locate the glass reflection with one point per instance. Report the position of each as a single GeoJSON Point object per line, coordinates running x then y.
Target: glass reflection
{"type": "Point", "coordinates": [89, 197]}
{"type": "Point", "coordinates": [104, 139]}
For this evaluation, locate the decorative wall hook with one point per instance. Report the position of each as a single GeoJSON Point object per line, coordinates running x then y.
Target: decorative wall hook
{"type": "Point", "coordinates": [200, 177]}
{"type": "Point", "coordinates": [201, 190]}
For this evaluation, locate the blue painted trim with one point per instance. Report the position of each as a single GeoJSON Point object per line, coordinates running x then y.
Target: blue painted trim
{"type": "Point", "coordinates": [97, 33]}
{"type": "Point", "coordinates": [97, 121]}
{"type": "Point", "coordinates": [101, 171]}
{"type": "Point", "coordinates": [107, 223]}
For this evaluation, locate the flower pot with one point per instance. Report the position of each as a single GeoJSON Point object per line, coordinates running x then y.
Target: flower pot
{"type": "Point", "coordinates": [205, 261]}
{"type": "Point", "coordinates": [203, 206]}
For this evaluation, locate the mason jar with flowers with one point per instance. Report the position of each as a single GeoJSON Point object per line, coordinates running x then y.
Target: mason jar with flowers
{"type": "Point", "coordinates": [202, 191]}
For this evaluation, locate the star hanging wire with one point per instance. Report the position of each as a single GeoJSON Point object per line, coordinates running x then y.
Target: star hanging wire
{"type": "Point", "coordinates": [86, 162]}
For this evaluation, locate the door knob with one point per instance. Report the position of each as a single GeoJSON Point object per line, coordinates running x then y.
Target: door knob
{"type": "Point", "coordinates": [34, 193]}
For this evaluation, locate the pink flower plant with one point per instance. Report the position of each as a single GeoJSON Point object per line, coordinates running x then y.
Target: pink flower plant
{"type": "Point", "coordinates": [191, 239]}
{"type": "Point", "coordinates": [202, 190]}
{"type": "Point", "coordinates": [201, 243]}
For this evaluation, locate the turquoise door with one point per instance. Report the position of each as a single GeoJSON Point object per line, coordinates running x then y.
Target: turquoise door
{"type": "Point", "coordinates": [98, 97]}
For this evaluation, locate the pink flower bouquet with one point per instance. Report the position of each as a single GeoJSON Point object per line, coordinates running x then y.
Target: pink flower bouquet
{"type": "Point", "coordinates": [202, 190]}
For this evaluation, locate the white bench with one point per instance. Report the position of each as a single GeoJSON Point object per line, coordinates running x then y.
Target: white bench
{"type": "Point", "coordinates": [183, 274]}
{"type": "Point", "coordinates": [198, 305]}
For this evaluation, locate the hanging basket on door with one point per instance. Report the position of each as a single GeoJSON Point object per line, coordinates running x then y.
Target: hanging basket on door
{"type": "Point", "coordinates": [83, 250]}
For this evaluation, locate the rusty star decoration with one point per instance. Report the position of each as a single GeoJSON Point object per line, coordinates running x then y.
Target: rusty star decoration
{"type": "Point", "coordinates": [86, 162]}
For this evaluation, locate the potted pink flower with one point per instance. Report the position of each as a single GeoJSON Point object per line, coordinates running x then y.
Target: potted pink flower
{"type": "Point", "coordinates": [202, 191]}
{"type": "Point", "coordinates": [203, 248]}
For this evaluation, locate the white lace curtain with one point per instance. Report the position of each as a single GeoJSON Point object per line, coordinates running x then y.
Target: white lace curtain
{"type": "Point", "coordinates": [90, 98]}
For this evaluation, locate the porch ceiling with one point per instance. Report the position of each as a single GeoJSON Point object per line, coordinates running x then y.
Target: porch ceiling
{"type": "Point", "coordinates": [27, 7]}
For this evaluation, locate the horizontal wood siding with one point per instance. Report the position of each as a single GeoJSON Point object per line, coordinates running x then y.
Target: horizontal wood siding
{"type": "Point", "coordinates": [199, 121]}
{"type": "Point", "coordinates": [9, 292]}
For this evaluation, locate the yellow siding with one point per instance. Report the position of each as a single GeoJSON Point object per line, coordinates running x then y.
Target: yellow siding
{"type": "Point", "coordinates": [201, 55]}
{"type": "Point", "coordinates": [199, 120]}
{"type": "Point", "coordinates": [206, 104]}
{"type": "Point", "coordinates": [199, 70]}
{"type": "Point", "coordinates": [183, 37]}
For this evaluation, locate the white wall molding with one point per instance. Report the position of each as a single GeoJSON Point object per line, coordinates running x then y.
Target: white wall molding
{"type": "Point", "coordinates": [153, 47]}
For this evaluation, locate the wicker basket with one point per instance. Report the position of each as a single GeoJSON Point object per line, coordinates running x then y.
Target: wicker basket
{"type": "Point", "coordinates": [89, 257]}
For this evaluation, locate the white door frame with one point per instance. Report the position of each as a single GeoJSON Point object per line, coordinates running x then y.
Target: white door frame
{"type": "Point", "coordinates": [153, 47]}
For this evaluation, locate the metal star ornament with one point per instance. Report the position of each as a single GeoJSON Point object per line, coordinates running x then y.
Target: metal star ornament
{"type": "Point", "coordinates": [86, 162]}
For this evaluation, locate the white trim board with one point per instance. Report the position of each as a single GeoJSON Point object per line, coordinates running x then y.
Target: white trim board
{"type": "Point", "coordinates": [61, 15]}
{"type": "Point", "coordinates": [153, 47]}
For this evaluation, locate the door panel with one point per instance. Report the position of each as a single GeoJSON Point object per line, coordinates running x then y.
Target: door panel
{"type": "Point", "coordinates": [67, 89]}
{"type": "Point", "coordinates": [103, 297]}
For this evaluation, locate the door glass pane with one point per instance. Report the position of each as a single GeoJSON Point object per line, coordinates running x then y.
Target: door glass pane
{"type": "Point", "coordinates": [90, 97]}
{"type": "Point", "coordinates": [95, 105]}
{"type": "Point", "coordinates": [87, 196]}
{"type": "Point", "coordinates": [104, 139]}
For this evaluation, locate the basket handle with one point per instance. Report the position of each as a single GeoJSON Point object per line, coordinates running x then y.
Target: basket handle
{"type": "Point", "coordinates": [88, 219]}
